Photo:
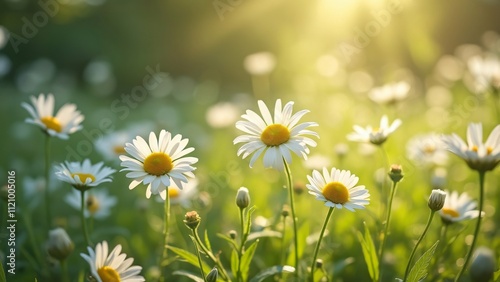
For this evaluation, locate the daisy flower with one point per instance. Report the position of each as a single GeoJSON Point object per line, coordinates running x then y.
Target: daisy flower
{"type": "Point", "coordinates": [485, 72]}
{"type": "Point", "coordinates": [66, 121]}
{"type": "Point", "coordinates": [458, 208]}
{"type": "Point", "coordinates": [337, 189]}
{"type": "Point", "coordinates": [179, 196]}
{"type": "Point", "coordinates": [158, 163]}
{"type": "Point", "coordinates": [106, 267]}
{"type": "Point", "coordinates": [275, 137]}
{"type": "Point", "coordinates": [390, 93]}
{"type": "Point", "coordinates": [478, 155]}
{"type": "Point", "coordinates": [84, 176]}
{"type": "Point", "coordinates": [98, 204]}
{"type": "Point", "coordinates": [427, 149]}
{"type": "Point", "coordinates": [375, 136]}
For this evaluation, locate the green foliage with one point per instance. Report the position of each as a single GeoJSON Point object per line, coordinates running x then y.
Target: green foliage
{"type": "Point", "coordinates": [246, 259]}
{"type": "Point", "coordinates": [419, 270]}
{"type": "Point", "coordinates": [188, 275]}
{"type": "Point", "coordinates": [189, 258]}
{"type": "Point", "coordinates": [271, 271]}
{"type": "Point", "coordinates": [369, 253]}
{"type": "Point", "coordinates": [303, 232]}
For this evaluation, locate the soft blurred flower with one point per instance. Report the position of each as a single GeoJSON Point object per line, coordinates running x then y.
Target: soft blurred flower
{"type": "Point", "coordinates": [341, 150]}
{"type": "Point", "coordinates": [34, 187]}
{"type": "Point", "coordinates": [275, 136]}
{"type": "Point", "coordinates": [436, 199]}
{"type": "Point", "coordinates": [337, 189]}
{"type": "Point", "coordinates": [485, 71]}
{"type": "Point", "coordinates": [261, 63]}
{"type": "Point", "coordinates": [98, 204]}
{"type": "Point", "coordinates": [222, 114]}
{"type": "Point", "coordinates": [375, 136]}
{"type": "Point", "coordinates": [59, 245]}
{"type": "Point", "coordinates": [390, 93]}
{"type": "Point", "coordinates": [158, 163]}
{"type": "Point", "coordinates": [317, 162]}
{"type": "Point", "coordinates": [483, 265]}
{"type": "Point", "coordinates": [183, 196]}
{"type": "Point", "coordinates": [427, 149]}
{"type": "Point", "coordinates": [112, 145]}
{"type": "Point", "coordinates": [478, 155]}
{"type": "Point", "coordinates": [458, 208]}
{"type": "Point", "coordinates": [113, 266]}
{"type": "Point", "coordinates": [438, 179]}
{"type": "Point", "coordinates": [84, 176]}
{"type": "Point", "coordinates": [66, 121]}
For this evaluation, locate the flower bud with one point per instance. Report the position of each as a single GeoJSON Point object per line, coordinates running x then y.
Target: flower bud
{"type": "Point", "coordinates": [212, 275]}
{"type": "Point", "coordinates": [319, 263]}
{"type": "Point", "coordinates": [192, 219]}
{"type": "Point", "coordinates": [483, 265]}
{"type": "Point", "coordinates": [233, 234]}
{"type": "Point", "coordinates": [285, 211]}
{"type": "Point", "coordinates": [299, 188]}
{"type": "Point", "coordinates": [59, 245]}
{"type": "Point", "coordinates": [242, 198]}
{"type": "Point", "coordinates": [396, 173]}
{"type": "Point", "coordinates": [436, 200]}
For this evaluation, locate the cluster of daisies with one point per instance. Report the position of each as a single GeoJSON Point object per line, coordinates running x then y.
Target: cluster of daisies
{"type": "Point", "coordinates": [162, 164]}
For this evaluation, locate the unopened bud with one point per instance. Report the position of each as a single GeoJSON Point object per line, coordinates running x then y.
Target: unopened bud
{"type": "Point", "coordinates": [436, 199]}
{"type": "Point", "coordinates": [233, 234]}
{"type": "Point", "coordinates": [242, 198]}
{"type": "Point", "coordinates": [319, 263]}
{"type": "Point", "coordinates": [299, 188]}
{"type": "Point", "coordinates": [59, 245]}
{"type": "Point", "coordinates": [212, 275]}
{"type": "Point", "coordinates": [192, 219]}
{"type": "Point", "coordinates": [483, 265]}
{"type": "Point", "coordinates": [396, 173]}
{"type": "Point", "coordinates": [285, 211]}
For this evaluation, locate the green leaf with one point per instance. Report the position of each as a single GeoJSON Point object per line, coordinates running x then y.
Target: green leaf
{"type": "Point", "coordinates": [264, 233]}
{"type": "Point", "coordinates": [234, 262]}
{"type": "Point", "coordinates": [369, 253]}
{"type": "Point", "coordinates": [419, 270]}
{"type": "Point", "coordinates": [303, 232]}
{"type": "Point", "coordinates": [272, 271]}
{"type": "Point", "coordinates": [496, 276]}
{"type": "Point", "coordinates": [188, 275]}
{"type": "Point", "coordinates": [229, 240]}
{"type": "Point", "coordinates": [246, 259]}
{"type": "Point", "coordinates": [2, 273]}
{"type": "Point", "coordinates": [248, 217]}
{"type": "Point", "coordinates": [190, 258]}
{"type": "Point", "coordinates": [207, 241]}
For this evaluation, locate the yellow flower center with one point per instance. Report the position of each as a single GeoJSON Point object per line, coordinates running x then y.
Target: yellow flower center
{"type": "Point", "coordinates": [474, 148]}
{"type": "Point", "coordinates": [429, 149]}
{"type": "Point", "coordinates": [275, 135]}
{"type": "Point", "coordinates": [119, 150]}
{"type": "Point", "coordinates": [108, 274]}
{"type": "Point", "coordinates": [450, 212]}
{"type": "Point", "coordinates": [489, 150]}
{"type": "Point", "coordinates": [173, 192]}
{"type": "Point", "coordinates": [336, 192]}
{"type": "Point", "coordinates": [158, 164]}
{"type": "Point", "coordinates": [83, 176]}
{"type": "Point", "coordinates": [92, 204]}
{"type": "Point", "coordinates": [52, 123]}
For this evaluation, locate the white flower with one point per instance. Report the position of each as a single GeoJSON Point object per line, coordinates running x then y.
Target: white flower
{"type": "Point", "coordinates": [390, 93]}
{"type": "Point", "coordinates": [112, 145]}
{"type": "Point", "coordinates": [485, 72]}
{"type": "Point", "coordinates": [478, 155]}
{"type": "Point", "coordinates": [427, 149]}
{"type": "Point", "coordinates": [182, 197]}
{"type": "Point", "coordinates": [222, 114]}
{"type": "Point", "coordinates": [375, 136]}
{"type": "Point", "coordinates": [458, 208]}
{"type": "Point", "coordinates": [275, 137]}
{"type": "Point", "coordinates": [66, 121]}
{"type": "Point", "coordinates": [337, 189]}
{"type": "Point", "coordinates": [158, 163]}
{"type": "Point", "coordinates": [259, 63]}
{"type": "Point", "coordinates": [114, 266]}
{"type": "Point", "coordinates": [98, 203]}
{"type": "Point", "coordinates": [84, 176]}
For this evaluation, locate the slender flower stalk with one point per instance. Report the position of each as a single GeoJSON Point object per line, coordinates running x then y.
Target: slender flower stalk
{"type": "Point", "coordinates": [199, 258]}
{"type": "Point", "coordinates": [242, 243]}
{"type": "Point", "coordinates": [478, 225]}
{"type": "Point", "coordinates": [47, 181]}
{"type": "Point", "coordinates": [316, 249]}
{"type": "Point", "coordinates": [84, 222]}
{"type": "Point", "coordinates": [165, 228]}
{"type": "Point", "coordinates": [429, 221]}
{"type": "Point", "coordinates": [294, 218]}
{"type": "Point", "coordinates": [386, 229]}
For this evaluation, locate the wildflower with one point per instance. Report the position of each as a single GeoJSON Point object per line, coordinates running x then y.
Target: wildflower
{"type": "Point", "coordinates": [337, 189]}
{"type": "Point", "coordinates": [396, 173]}
{"type": "Point", "coordinates": [375, 136]}
{"type": "Point", "coordinates": [275, 137]}
{"type": "Point", "coordinates": [84, 176]}
{"type": "Point", "coordinates": [98, 204]}
{"type": "Point", "coordinates": [436, 199]}
{"type": "Point", "coordinates": [59, 245]}
{"type": "Point", "coordinates": [390, 93]}
{"type": "Point", "coordinates": [106, 267]}
{"type": "Point", "coordinates": [458, 208]}
{"type": "Point", "coordinates": [66, 121]}
{"type": "Point", "coordinates": [485, 72]}
{"type": "Point", "coordinates": [158, 163]}
{"type": "Point", "coordinates": [478, 155]}
{"type": "Point", "coordinates": [427, 149]}
{"type": "Point", "coordinates": [192, 219]}
{"type": "Point", "coordinates": [242, 198]}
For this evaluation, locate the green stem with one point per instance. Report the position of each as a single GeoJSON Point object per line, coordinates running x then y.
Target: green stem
{"type": "Point", "coordinates": [407, 271]}
{"type": "Point", "coordinates": [386, 230]}
{"type": "Point", "coordinates": [84, 222]}
{"type": "Point", "coordinates": [64, 271]}
{"type": "Point", "coordinates": [223, 272]}
{"type": "Point", "coordinates": [199, 256]}
{"type": "Point", "coordinates": [166, 226]}
{"type": "Point", "coordinates": [242, 244]}
{"type": "Point", "coordinates": [47, 182]}
{"type": "Point", "coordinates": [478, 225]}
{"type": "Point", "coordinates": [282, 258]}
{"type": "Point", "coordinates": [294, 219]}
{"type": "Point", "coordinates": [316, 249]}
